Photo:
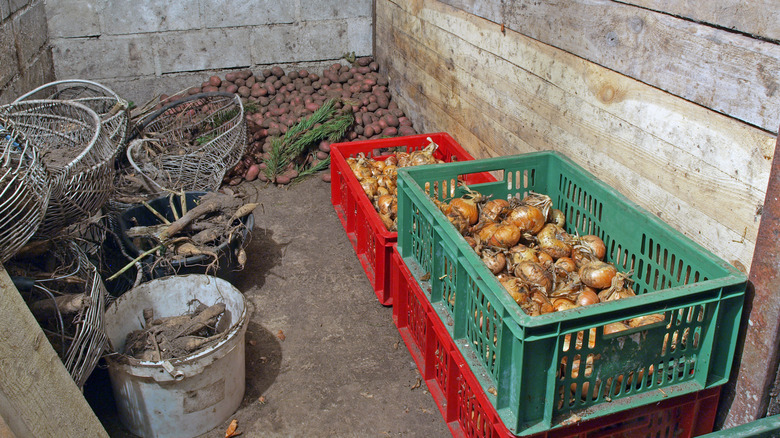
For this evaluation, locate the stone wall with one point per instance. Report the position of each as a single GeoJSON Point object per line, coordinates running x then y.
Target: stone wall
{"type": "Point", "coordinates": [25, 56]}
{"type": "Point", "coordinates": [141, 49]}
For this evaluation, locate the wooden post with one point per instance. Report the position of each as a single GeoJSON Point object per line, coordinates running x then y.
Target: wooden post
{"type": "Point", "coordinates": [746, 396]}
{"type": "Point", "coordinates": [37, 395]}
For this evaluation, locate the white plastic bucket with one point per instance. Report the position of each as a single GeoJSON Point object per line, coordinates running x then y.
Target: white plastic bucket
{"type": "Point", "coordinates": [188, 396]}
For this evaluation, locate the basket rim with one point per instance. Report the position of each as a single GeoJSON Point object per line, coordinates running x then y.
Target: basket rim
{"type": "Point", "coordinates": [109, 92]}
{"type": "Point", "coordinates": [8, 109]}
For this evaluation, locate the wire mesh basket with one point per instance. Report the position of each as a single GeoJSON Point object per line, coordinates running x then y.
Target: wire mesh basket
{"type": "Point", "coordinates": [66, 295]}
{"type": "Point", "coordinates": [112, 109]}
{"type": "Point", "coordinates": [24, 190]}
{"type": "Point", "coordinates": [188, 145]}
{"type": "Point", "coordinates": [77, 154]}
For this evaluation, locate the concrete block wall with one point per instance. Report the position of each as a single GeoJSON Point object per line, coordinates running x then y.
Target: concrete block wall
{"type": "Point", "coordinates": [144, 48]}
{"type": "Point", "coordinates": [25, 55]}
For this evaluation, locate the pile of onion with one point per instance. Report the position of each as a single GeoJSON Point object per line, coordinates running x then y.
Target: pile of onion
{"type": "Point", "coordinates": [543, 268]}
{"type": "Point", "coordinates": [377, 177]}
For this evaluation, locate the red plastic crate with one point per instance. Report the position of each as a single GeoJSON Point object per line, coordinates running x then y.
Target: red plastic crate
{"type": "Point", "coordinates": [365, 230]}
{"type": "Point", "coordinates": [466, 408]}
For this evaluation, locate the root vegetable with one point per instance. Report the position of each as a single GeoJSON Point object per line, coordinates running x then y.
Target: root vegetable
{"type": "Point", "coordinates": [252, 172]}
{"type": "Point", "coordinates": [67, 304]}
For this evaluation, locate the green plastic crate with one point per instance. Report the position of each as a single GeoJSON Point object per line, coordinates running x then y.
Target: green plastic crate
{"type": "Point", "coordinates": [521, 361]}
{"type": "Point", "coordinates": [767, 427]}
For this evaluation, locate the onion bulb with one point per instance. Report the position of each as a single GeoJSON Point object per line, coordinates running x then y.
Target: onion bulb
{"type": "Point", "coordinates": [527, 217]}
{"type": "Point", "coordinates": [466, 208]}
{"type": "Point", "coordinates": [587, 297]}
{"type": "Point", "coordinates": [557, 217]}
{"type": "Point", "coordinates": [516, 289]}
{"type": "Point", "coordinates": [501, 235]}
{"type": "Point", "coordinates": [597, 274]}
{"type": "Point", "coordinates": [534, 274]}
{"type": "Point", "coordinates": [619, 288]}
{"type": "Point", "coordinates": [494, 260]}
{"type": "Point", "coordinates": [561, 304]}
{"type": "Point", "coordinates": [494, 209]}
{"type": "Point", "coordinates": [646, 320]}
{"type": "Point", "coordinates": [594, 244]}
{"type": "Point", "coordinates": [552, 240]}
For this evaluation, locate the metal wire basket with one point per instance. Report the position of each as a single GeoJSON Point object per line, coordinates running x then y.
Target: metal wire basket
{"type": "Point", "coordinates": [188, 145]}
{"type": "Point", "coordinates": [77, 154]}
{"type": "Point", "coordinates": [24, 190]}
{"type": "Point", "coordinates": [66, 295]}
{"type": "Point", "coordinates": [112, 109]}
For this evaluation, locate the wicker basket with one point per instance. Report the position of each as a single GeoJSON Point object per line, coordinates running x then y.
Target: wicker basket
{"type": "Point", "coordinates": [78, 155]}
{"type": "Point", "coordinates": [112, 109]}
{"type": "Point", "coordinates": [188, 145]}
{"type": "Point", "coordinates": [24, 190]}
{"type": "Point", "coordinates": [77, 334]}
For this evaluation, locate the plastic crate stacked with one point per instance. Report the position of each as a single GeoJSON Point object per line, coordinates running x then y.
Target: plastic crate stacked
{"type": "Point", "coordinates": [519, 361]}
{"type": "Point", "coordinates": [372, 241]}
{"type": "Point", "coordinates": [464, 404]}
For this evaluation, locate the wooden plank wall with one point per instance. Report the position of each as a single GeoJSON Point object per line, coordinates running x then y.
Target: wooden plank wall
{"type": "Point", "coordinates": [675, 106]}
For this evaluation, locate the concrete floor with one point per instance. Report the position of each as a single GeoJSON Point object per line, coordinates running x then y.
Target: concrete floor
{"type": "Point", "coordinates": [323, 356]}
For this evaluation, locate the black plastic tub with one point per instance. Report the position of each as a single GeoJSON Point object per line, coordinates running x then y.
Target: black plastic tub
{"type": "Point", "coordinates": [139, 215]}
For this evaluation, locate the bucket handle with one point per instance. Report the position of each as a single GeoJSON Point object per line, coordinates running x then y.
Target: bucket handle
{"type": "Point", "coordinates": [177, 375]}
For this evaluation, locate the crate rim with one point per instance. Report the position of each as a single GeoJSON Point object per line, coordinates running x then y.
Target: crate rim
{"type": "Point", "coordinates": [659, 298]}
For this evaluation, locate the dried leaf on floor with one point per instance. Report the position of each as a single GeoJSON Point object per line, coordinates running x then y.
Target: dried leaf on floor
{"type": "Point", "coordinates": [252, 343]}
{"type": "Point", "coordinates": [417, 384]}
{"type": "Point", "coordinates": [280, 335]}
{"type": "Point", "coordinates": [232, 429]}
{"type": "Point", "coordinates": [262, 400]}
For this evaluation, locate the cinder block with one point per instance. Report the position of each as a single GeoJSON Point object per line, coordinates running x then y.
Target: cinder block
{"type": "Point", "coordinates": [328, 9]}
{"type": "Point", "coordinates": [9, 64]}
{"type": "Point", "coordinates": [118, 56]}
{"type": "Point", "coordinates": [15, 5]}
{"type": "Point", "coordinates": [39, 72]}
{"type": "Point", "coordinates": [5, 11]}
{"type": "Point", "coordinates": [122, 17]}
{"type": "Point", "coordinates": [360, 32]}
{"type": "Point", "coordinates": [73, 18]}
{"type": "Point", "coordinates": [229, 13]}
{"type": "Point", "coordinates": [203, 49]}
{"type": "Point", "coordinates": [305, 41]}
{"type": "Point", "coordinates": [31, 32]}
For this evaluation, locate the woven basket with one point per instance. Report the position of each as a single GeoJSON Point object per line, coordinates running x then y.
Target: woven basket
{"type": "Point", "coordinates": [79, 338]}
{"type": "Point", "coordinates": [24, 190]}
{"type": "Point", "coordinates": [78, 155]}
{"type": "Point", "coordinates": [188, 145]}
{"type": "Point", "coordinates": [112, 109]}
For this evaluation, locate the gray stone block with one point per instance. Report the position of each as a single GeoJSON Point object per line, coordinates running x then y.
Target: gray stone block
{"type": "Point", "coordinates": [5, 9]}
{"type": "Point", "coordinates": [203, 50]}
{"type": "Point", "coordinates": [91, 58]}
{"type": "Point", "coordinates": [122, 17]}
{"type": "Point", "coordinates": [306, 41]}
{"type": "Point", "coordinates": [68, 18]}
{"type": "Point", "coordinates": [39, 72]}
{"type": "Point", "coordinates": [31, 32]}
{"type": "Point", "coordinates": [15, 5]}
{"type": "Point", "coordinates": [329, 9]}
{"type": "Point", "coordinates": [229, 13]}
{"type": "Point", "coordinates": [9, 65]}
{"type": "Point", "coordinates": [360, 32]}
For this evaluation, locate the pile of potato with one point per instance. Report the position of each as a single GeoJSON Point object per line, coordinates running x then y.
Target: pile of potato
{"type": "Point", "coordinates": [276, 99]}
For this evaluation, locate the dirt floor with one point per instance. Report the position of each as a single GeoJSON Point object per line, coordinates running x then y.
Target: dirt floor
{"type": "Point", "coordinates": [323, 356]}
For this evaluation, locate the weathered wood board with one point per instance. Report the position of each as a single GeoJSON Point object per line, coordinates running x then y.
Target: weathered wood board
{"type": "Point", "coordinates": [38, 398]}
{"type": "Point", "coordinates": [502, 93]}
{"type": "Point", "coordinates": [726, 71]}
{"type": "Point", "coordinates": [754, 17]}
